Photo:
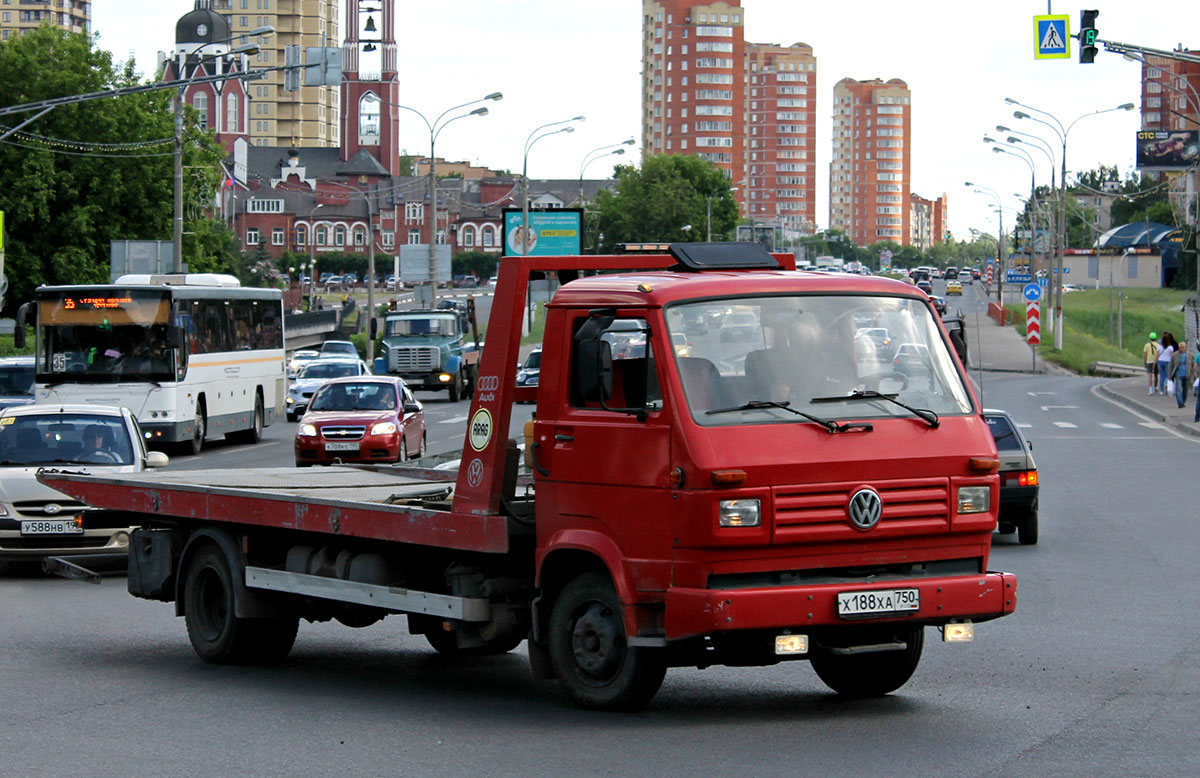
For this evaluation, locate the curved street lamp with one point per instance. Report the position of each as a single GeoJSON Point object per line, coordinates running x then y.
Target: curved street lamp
{"type": "Point", "coordinates": [524, 237]}
{"type": "Point", "coordinates": [617, 149]}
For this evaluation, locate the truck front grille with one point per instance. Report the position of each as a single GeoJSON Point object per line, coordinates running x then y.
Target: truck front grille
{"type": "Point", "coordinates": [819, 512]}
{"type": "Point", "coordinates": [413, 359]}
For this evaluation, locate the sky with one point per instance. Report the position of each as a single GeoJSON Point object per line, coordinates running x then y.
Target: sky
{"type": "Point", "coordinates": [555, 59]}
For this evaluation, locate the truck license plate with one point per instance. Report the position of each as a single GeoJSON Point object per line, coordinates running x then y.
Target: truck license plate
{"type": "Point", "coordinates": [51, 527]}
{"type": "Point", "coordinates": [876, 602]}
{"type": "Point", "coordinates": [341, 446]}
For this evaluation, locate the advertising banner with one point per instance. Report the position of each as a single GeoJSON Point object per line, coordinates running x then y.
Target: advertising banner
{"type": "Point", "coordinates": [551, 233]}
{"type": "Point", "coordinates": [1167, 149]}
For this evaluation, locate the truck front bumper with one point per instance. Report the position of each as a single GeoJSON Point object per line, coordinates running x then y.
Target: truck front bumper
{"type": "Point", "coordinates": [692, 612]}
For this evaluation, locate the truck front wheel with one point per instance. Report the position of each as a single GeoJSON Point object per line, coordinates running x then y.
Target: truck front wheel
{"type": "Point", "coordinates": [590, 654]}
{"type": "Point", "coordinates": [217, 635]}
{"type": "Point", "coordinates": [872, 674]}
{"type": "Point", "coordinates": [456, 388]}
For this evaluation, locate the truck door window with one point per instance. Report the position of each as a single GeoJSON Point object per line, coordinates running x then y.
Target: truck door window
{"type": "Point", "coordinates": [635, 382]}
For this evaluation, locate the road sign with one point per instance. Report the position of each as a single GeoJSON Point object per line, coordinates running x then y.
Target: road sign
{"type": "Point", "coordinates": [1052, 37]}
{"type": "Point", "coordinates": [1033, 323]}
{"type": "Point", "coordinates": [1066, 270]}
{"type": "Point", "coordinates": [1013, 277]}
{"type": "Point", "coordinates": [1033, 293]}
{"type": "Point", "coordinates": [989, 272]}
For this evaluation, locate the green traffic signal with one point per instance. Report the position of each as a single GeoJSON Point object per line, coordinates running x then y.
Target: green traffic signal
{"type": "Point", "coordinates": [1087, 36]}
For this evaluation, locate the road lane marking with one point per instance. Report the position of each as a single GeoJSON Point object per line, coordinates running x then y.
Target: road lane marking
{"type": "Point", "coordinates": [453, 420]}
{"type": "Point", "coordinates": [1057, 407]}
{"type": "Point", "coordinates": [1025, 426]}
{"type": "Point", "coordinates": [1151, 425]}
{"type": "Point", "coordinates": [1065, 425]}
{"type": "Point", "coordinates": [1108, 425]}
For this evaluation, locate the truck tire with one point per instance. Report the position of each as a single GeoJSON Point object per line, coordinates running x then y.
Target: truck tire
{"type": "Point", "coordinates": [595, 666]}
{"type": "Point", "coordinates": [1027, 530]}
{"type": "Point", "coordinates": [456, 388]}
{"type": "Point", "coordinates": [217, 635]}
{"type": "Point", "coordinates": [875, 674]}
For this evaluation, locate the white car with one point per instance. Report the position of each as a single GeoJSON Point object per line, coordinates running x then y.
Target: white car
{"type": "Point", "coordinates": [298, 359]}
{"type": "Point", "coordinates": [313, 375]}
{"type": "Point", "coordinates": [37, 521]}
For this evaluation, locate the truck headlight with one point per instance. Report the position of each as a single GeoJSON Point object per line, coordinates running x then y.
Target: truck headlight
{"type": "Point", "coordinates": [307, 430]}
{"type": "Point", "coordinates": [384, 428]}
{"type": "Point", "coordinates": [974, 499]}
{"type": "Point", "coordinates": [445, 378]}
{"type": "Point", "coordinates": [290, 399]}
{"type": "Point", "coordinates": [739, 513]}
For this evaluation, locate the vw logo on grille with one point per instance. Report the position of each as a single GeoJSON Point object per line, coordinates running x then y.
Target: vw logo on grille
{"type": "Point", "coordinates": [52, 508]}
{"type": "Point", "coordinates": [865, 508]}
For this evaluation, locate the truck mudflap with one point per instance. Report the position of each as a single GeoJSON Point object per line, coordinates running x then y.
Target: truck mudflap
{"type": "Point", "coordinates": [692, 612]}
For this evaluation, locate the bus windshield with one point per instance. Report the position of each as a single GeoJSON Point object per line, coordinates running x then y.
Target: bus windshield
{"type": "Point", "coordinates": [115, 335]}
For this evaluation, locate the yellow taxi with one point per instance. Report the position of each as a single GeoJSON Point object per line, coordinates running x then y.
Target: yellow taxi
{"type": "Point", "coordinates": [953, 287]}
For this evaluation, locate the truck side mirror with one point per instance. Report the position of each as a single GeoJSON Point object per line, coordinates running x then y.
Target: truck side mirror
{"type": "Point", "coordinates": [19, 330]}
{"type": "Point", "coordinates": [593, 366]}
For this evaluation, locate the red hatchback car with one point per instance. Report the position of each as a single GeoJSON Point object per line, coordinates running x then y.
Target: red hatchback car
{"type": "Point", "coordinates": [361, 419]}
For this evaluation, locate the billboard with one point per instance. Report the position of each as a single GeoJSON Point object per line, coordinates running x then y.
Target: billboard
{"type": "Point", "coordinates": [551, 233]}
{"type": "Point", "coordinates": [1167, 149]}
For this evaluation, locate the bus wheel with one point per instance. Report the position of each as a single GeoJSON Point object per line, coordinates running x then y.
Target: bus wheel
{"type": "Point", "coordinates": [254, 434]}
{"type": "Point", "coordinates": [217, 635]}
{"type": "Point", "coordinates": [873, 674]}
{"type": "Point", "coordinates": [199, 428]}
{"type": "Point", "coordinates": [594, 664]}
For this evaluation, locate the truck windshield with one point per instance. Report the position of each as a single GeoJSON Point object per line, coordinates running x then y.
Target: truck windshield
{"type": "Point", "coordinates": [423, 325]}
{"type": "Point", "coordinates": [761, 352]}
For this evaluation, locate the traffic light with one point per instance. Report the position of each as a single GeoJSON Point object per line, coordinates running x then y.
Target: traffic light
{"type": "Point", "coordinates": [1087, 36]}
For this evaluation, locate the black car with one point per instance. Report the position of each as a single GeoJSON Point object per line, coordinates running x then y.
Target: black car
{"type": "Point", "coordinates": [1018, 479]}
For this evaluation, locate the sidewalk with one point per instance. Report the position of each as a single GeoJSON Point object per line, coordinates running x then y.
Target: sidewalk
{"type": "Point", "coordinates": [993, 348]}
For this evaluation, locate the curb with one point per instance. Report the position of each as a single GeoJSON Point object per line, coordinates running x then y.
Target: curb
{"type": "Point", "coordinates": [1190, 429]}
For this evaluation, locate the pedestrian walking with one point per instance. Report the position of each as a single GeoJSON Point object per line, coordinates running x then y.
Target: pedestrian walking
{"type": "Point", "coordinates": [1150, 358]}
{"type": "Point", "coordinates": [1165, 349]}
{"type": "Point", "coordinates": [1180, 371]}
{"type": "Point", "coordinates": [1196, 385]}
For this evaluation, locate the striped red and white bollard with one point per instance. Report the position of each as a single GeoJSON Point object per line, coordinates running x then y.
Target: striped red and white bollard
{"type": "Point", "coordinates": [1033, 323]}
{"type": "Point", "coordinates": [989, 273]}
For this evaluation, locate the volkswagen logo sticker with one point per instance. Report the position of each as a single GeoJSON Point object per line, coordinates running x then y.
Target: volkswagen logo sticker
{"type": "Point", "coordinates": [865, 509]}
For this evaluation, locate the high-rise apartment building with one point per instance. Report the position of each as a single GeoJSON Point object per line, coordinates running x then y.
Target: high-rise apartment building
{"type": "Point", "coordinates": [869, 175]}
{"type": "Point", "coordinates": [1170, 93]}
{"type": "Point", "coordinates": [18, 17]}
{"type": "Point", "coordinates": [927, 224]}
{"type": "Point", "coordinates": [780, 136]}
{"type": "Point", "coordinates": [692, 81]}
{"type": "Point", "coordinates": [308, 117]}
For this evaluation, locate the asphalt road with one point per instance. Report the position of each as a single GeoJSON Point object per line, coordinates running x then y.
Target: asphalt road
{"type": "Point", "coordinates": [1096, 674]}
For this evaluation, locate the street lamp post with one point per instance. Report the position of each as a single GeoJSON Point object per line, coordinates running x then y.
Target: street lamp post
{"type": "Point", "coordinates": [435, 128]}
{"type": "Point", "coordinates": [1062, 133]}
{"type": "Point", "coordinates": [1024, 157]}
{"type": "Point", "coordinates": [593, 155]}
{"type": "Point", "coordinates": [524, 240]}
{"type": "Point", "coordinates": [999, 244]}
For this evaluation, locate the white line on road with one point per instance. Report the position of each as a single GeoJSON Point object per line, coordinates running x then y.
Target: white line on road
{"type": "Point", "coordinates": [1035, 394]}
{"type": "Point", "coordinates": [1055, 407]}
{"type": "Point", "coordinates": [1108, 425]}
{"type": "Point", "coordinates": [1065, 425]}
{"type": "Point", "coordinates": [1024, 426]}
{"type": "Point", "coordinates": [453, 420]}
{"type": "Point", "coordinates": [1151, 425]}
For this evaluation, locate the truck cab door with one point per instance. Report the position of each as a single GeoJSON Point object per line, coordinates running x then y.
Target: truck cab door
{"type": "Point", "coordinates": [605, 452]}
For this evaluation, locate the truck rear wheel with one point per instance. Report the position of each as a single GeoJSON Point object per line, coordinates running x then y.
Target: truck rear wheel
{"type": "Point", "coordinates": [217, 635]}
{"type": "Point", "coordinates": [873, 674]}
{"type": "Point", "coordinates": [590, 654]}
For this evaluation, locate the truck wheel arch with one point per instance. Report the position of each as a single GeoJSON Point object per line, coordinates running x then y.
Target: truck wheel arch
{"type": "Point", "coordinates": [247, 603]}
{"type": "Point", "coordinates": [569, 554]}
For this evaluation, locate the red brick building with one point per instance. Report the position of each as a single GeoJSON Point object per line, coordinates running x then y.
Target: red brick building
{"type": "Point", "coordinates": [693, 56]}
{"type": "Point", "coordinates": [780, 131]}
{"type": "Point", "coordinates": [870, 173]}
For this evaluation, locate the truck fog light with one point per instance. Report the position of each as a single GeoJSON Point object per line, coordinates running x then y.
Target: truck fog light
{"type": "Point", "coordinates": [445, 378]}
{"type": "Point", "coordinates": [974, 499]}
{"type": "Point", "coordinates": [740, 513]}
{"type": "Point", "coordinates": [958, 632]}
{"type": "Point", "coordinates": [791, 644]}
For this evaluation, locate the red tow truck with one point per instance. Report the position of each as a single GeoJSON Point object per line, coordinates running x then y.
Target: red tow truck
{"type": "Point", "coordinates": [723, 470]}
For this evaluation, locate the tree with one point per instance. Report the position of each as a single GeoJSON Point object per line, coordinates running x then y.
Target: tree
{"type": "Point", "coordinates": [480, 264]}
{"type": "Point", "coordinates": [85, 174]}
{"type": "Point", "coordinates": [657, 201]}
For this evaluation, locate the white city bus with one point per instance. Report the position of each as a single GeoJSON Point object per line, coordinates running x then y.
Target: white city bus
{"type": "Point", "coordinates": [191, 355]}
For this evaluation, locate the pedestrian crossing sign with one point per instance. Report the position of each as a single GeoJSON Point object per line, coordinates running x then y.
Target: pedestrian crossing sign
{"type": "Point", "coordinates": [1052, 37]}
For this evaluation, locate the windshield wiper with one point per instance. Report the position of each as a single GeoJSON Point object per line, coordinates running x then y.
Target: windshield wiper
{"type": "Point", "coordinates": [829, 425]}
{"type": "Point", "coordinates": [928, 416]}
